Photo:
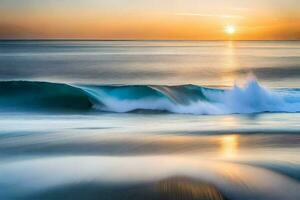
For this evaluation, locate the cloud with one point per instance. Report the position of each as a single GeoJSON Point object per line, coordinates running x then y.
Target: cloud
{"type": "Point", "coordinates": [210, 15]}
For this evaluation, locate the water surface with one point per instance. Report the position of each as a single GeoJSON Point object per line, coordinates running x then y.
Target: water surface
{"type": "Point", "coordinates": [149, 120]}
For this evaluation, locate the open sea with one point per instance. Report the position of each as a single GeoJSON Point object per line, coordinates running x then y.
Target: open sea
{"type": "Point", "coordinates": [140, 120]}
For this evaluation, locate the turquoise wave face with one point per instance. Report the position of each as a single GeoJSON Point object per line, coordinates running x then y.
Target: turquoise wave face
{"type": "Point", "coordinates": [187, 99]}
{"type": "Point", "coordinates": [41, 96]}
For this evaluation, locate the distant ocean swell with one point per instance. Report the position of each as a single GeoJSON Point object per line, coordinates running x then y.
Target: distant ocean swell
{"type": "Point", "coordinates": [188, 99]}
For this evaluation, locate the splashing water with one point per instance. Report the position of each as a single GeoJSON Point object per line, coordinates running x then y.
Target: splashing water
{"type": "Point", "coordinates": [188, 99]}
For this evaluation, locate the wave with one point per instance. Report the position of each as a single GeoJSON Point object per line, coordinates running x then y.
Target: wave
{"type": "Point", "coordinates": [187, 99]}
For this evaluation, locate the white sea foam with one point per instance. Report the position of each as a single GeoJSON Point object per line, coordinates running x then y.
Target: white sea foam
{"type": "Point", "coordinates": [250, 98]}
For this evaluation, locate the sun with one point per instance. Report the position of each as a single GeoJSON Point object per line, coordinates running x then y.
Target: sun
{"type": "Point", "coordinates": [230, 29]}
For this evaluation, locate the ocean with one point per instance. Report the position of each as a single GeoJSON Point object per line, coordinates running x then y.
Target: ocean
{"type": "Point", "coordinates": [149, 120]}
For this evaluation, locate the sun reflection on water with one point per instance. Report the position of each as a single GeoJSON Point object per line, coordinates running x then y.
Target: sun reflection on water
{"type": "Point", "coordinates": [229, 145]}
{"type": "Point", "coordinates": [230, 64]}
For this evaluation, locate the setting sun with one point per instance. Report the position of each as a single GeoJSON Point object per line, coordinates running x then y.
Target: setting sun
{"type": "Point", "coordinates": [230, 29]}
{"type": "Point", "coordinates": [158, 99]}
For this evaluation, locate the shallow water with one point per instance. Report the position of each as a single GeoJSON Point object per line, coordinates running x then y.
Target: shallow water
{"type": "Point", "coordinates": [130, 156]}
{"type": "Point", "coordinates": [91, 139]}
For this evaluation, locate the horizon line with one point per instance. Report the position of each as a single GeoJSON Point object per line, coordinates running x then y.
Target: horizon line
{"type": "Point", "coordinates": [95, 39]}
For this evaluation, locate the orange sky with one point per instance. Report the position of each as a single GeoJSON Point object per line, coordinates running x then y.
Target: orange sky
{"type": "Point", "coordinates": [177, 19]}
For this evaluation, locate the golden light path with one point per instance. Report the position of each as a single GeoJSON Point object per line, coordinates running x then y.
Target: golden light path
{"type": "Point", "coordinates": [229, 146]}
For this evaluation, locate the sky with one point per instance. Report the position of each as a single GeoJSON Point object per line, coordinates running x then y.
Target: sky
{"type": "Point", "coordinates": [150, 19]}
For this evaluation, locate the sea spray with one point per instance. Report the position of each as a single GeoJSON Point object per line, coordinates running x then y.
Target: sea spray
{"type": "Point", "coordinates": [185, 99]}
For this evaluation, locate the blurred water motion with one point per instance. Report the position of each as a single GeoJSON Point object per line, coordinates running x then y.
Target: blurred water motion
{"type": "Point", "coordinates": [92, 139]}
{"type": "Point", "coordinates": [217, 63]}
{"type": "Point", "coordinates": [130, 160]}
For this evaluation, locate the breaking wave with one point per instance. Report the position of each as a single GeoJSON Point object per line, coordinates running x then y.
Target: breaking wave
{"type": "Point", "coordinates": [188, 99]}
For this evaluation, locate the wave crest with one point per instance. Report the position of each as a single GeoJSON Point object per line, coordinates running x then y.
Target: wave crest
{"type": "Point", "coordinates": [188, 99]}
